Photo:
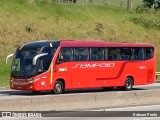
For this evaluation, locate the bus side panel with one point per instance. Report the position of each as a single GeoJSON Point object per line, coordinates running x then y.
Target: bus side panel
{"type": "Point", "coordinates": [135, 69]}
{"type": "Point", "coordinates": [104, 73]}
{"type": "Point", "coordinates": [76, 74]}
{"type": "Point", "coordinates": [83, 74]}
{"type": "Point", "coordinates": [62, 71]}
{"type": "Point", "coordinates": [108, 75]}
{"type": "Point", "coordinates": [116, 75]}
{"type": "Point", "coordinates": [151, 70]}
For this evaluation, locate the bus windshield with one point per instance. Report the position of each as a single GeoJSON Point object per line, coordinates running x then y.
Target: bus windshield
{"type": "Point", "coordinates": [22, 65]}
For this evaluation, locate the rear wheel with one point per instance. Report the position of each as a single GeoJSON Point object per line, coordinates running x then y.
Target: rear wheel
{"type": "Point", "coordinates": [128, 84]}
{"type": "Point", "coordinates": [58, 87]}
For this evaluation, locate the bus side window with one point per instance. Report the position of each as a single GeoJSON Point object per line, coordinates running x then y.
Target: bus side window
{"type": "Point", "coordinates": [113, 54]}
{"type": "Point", "coordinates": [138, 54]}
{"type": "Point", "coordinates": [65, 55]}
{"type": "Point", "coordinates": [125, 53]}
{"type": "Point", "coordinates": [81, 54]}
{"type": "Point", "coordinates": [97, 54]}
{"type": "Point", "coordinates": [148, 53]}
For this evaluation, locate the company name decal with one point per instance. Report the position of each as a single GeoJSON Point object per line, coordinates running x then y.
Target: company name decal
{"type": "Point", "coordinates": [94, 65]}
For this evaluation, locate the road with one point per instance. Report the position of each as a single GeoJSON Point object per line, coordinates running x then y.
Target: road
{"type": "Point", "coordinates": [20, 93]}
{"type": "Point", "coordinates": [126, 113]}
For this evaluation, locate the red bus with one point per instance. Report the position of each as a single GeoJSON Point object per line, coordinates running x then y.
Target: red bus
{"type": "Point", "coordinates": [69, 64]}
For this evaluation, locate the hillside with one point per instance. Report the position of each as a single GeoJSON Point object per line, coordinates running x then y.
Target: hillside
{"type": "Point", "coordinates": [24, 21]}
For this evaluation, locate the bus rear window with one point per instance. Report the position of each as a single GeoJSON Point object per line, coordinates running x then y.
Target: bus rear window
{"type": "Point", "coordinates": [148, 53]}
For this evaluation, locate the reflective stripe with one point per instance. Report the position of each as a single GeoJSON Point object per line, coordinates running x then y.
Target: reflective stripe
{"type": "Point", "coordinates": [51, 79]}
{"type": "Point", "coordinates": [62, 69]}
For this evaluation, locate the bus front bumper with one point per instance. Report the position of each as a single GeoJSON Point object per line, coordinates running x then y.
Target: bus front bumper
{"type": "Point", "coordinates": [24, 84]}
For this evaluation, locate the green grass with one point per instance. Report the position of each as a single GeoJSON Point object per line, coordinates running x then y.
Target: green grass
{"type": "Point", "coordinates": [113, 3]}
{"type": "Point", "coordinates": [4, 73]}
{"type": "Point", "coordinates": [24, 21]}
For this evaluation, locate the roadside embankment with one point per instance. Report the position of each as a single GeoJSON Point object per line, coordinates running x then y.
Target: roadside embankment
{"type": "Point", "coordinates": [80, 101]}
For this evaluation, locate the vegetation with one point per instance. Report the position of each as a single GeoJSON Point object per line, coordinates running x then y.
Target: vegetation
{"type": "Point", "coordinates": [24, 21]}
{"type": "Point", "coordinates": [150, 3]}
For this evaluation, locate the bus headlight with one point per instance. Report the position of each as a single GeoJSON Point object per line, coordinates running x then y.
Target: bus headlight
{"type": "Point", "coordinates": [32, 81]}
{"type": "Point", "coordinates": [35, 80]}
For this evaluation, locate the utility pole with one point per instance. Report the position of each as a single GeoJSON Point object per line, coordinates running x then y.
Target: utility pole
{"type": "Point", "coordinates": [128, 4]}
{"type": "Point", "coordinates": [86, 2]}
{"type": "Point", "coordinates": [110, 3]}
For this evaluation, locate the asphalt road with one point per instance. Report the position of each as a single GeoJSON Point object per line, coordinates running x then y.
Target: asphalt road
{"type": "Point", "coordinates": [151, 112]}
{"type": "Point", "coordinates": [20, 93]}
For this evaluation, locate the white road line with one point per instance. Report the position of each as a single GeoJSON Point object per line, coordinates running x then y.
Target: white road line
{"type": "Point", "coordinates": [152, 118]}
{"type": "Point", "coordinates": [134, 107]}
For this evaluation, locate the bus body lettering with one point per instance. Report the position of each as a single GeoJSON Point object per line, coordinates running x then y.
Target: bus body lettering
{"type": "Point", "coordinates": [87, 65]}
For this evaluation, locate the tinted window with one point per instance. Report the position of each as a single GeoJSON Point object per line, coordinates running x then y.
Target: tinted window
{"type": "Point", "coordinates": [125, 54]}
{"type": "Point", "coordinates": [148, 53]}
{"type": "Point", "coordinates": [81, 54]}
{"type": "Point", "coordinates": [66, 54]}
{"type": "Point", "coordinates": [97, 54]}
{"type": "Point", "coordinates": [137, 54]}
{"type": "Point", "coordinates": [112, 53]}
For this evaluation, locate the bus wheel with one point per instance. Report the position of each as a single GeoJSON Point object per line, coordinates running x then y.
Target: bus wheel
{"type": "Point", "coordinates": [36, 92]}
{"type": "Point", "coordinates": [58, 87]}
{"type": "Point", "coordinates": [128, 84]}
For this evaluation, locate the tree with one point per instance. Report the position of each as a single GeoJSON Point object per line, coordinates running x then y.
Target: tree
{"type": "Point", "coordinates": [150, 3]}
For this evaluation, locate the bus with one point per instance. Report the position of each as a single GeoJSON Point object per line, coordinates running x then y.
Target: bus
{"type": "Point", "coordinates": [60, 65]}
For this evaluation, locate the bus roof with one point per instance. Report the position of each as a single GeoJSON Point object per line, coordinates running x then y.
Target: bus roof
{"type": "Point", "coordinates": [84, 43]}
{"type": "Point", "coordinates": [91, 43]}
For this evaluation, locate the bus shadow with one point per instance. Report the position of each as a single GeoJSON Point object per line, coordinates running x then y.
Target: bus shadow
{"type": "Point", "coordinates": [99, 90]}
{"type": "Point", "coordinates": [73, 91]}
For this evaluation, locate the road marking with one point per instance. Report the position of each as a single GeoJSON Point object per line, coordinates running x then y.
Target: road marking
{"type": "Point", "coordinates": [134, 107]}
{"type": "Point", "coordinates": [148, 118]}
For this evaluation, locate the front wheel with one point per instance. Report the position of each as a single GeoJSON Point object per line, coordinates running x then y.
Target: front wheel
{"type": "Point", "coordinates": [58, 87]}
{"type": "Point", "coordinates": [128, 84]}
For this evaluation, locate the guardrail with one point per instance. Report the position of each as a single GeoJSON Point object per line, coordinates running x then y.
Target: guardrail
{"type": "Point", "coordinates": [157, 74]}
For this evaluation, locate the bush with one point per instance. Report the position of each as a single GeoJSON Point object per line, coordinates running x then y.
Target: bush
{"type": "Point", "coordinates": [142, 8]}
{"type": "Point", "coordinates": [150, 3]}
{"type": "Point", "coordinates": [149, 24]}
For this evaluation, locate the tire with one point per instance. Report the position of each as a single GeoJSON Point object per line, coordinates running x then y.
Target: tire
{"type": "Point", "coordinates": [128, 84]}
{"type": "Point", "coordinates": [36, 92]}
{"type": "Point", "coordinates": [58, 87]}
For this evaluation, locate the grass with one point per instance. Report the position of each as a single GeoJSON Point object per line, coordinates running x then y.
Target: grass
{"type": "Point", "coordinates": [24, 21]}
{"type": "Point", "coordinates": [4, 73]}
{"type": "Point", "coordinates": [113, 3]}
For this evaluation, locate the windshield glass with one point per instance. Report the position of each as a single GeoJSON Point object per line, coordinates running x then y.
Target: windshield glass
{"type": "Point", "coordinates": [22, 65]}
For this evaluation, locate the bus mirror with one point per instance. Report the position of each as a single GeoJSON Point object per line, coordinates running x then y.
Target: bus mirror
{"type": "Point", "coordinates": [60, 59]}
{"type": "Point", "coordinates": [38, 56]}
{"type": "Point", "coordinates": [8, 57]}
{"type": "Point", "coordinates": [40, 70]}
